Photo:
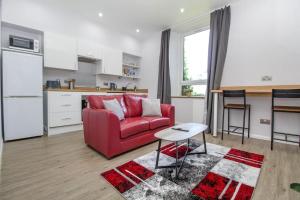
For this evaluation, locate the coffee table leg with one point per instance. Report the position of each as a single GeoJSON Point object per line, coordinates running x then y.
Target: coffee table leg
{"type": "Point", "coordinates": [186, 153]}
{"type": "Point", "coordinates": [205, 149]}
{"type": "Point", "coordinates": [176, 143]}
{"type": "Point", "coordinates": [158, 151]}
{"type": "Point", "coordinates": [204, 141]}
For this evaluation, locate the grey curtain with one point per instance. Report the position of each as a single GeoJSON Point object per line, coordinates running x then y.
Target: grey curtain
{"type": "Point", "coordinates": [218, 40]}
{"type": "Point", "coordinates": [164, 83]}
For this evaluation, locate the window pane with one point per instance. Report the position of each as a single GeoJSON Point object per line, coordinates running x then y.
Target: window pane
{"type": "Point", "coordinates": [195, 56]}
{"type": "Point", "coordinates": [193, 90]}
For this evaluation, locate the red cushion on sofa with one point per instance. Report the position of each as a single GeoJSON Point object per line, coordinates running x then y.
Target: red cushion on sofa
{"type": "Point", "coordinates": [157, 122]}
{"type": "Point", "coordinates": [133, 105]}
{"type": "Point", "coordinates": [96, 101]}
{"type": "Point", "coordinates": [133, 125]}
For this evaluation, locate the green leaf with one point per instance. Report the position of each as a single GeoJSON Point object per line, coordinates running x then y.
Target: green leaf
{"type": "Point", "coordinates": [295, 186]}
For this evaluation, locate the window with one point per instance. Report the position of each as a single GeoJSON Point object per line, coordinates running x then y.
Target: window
{"type": "Point", "coordinates": [195, 64]}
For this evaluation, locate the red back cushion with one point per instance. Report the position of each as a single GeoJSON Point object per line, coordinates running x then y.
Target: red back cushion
{"type": "Point", "coordinates": [96, 101]}
{"type": "Point", "coordinates": [134, 105]}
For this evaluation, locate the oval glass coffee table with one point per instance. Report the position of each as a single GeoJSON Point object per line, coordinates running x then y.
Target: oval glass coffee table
{"type": "Point", "coordinates": [176, 134]}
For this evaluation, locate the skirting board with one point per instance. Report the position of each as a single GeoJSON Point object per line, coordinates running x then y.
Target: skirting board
{"type": "Point", "coordinates": [64, 129]}
{"type": "Point", "coordinates": [259, 137]}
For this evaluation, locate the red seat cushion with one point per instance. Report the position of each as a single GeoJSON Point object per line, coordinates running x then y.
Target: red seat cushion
{"type": "Point", "coordinates": [133, 125]}
{"type": "Point", "coordinates": [133, 105]}
{"type": "Point", "coordinates": [96, 101]}
{"type": "Point", "coordinates": [157, 122]}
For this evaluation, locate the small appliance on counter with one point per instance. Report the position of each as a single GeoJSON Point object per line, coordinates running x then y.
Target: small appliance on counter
{"type": "Point", "coordinates": [71, 84]}
{"type": "Point", "coordinates": [112, 86]}
{"type": "Point", "coordinates": [53, 84]}
{"type": "Point", "coordinates": [125, 88]}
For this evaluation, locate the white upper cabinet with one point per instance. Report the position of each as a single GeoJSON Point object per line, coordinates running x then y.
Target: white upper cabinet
{"type": "Point", "coordinates": [60, 51]}
{"type": "Point", "coordinates": [88, 49]}
{"type": "Point", "coordinates": [112, 61]}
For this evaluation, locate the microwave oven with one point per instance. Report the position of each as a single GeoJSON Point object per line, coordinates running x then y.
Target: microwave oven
{"type": "Point", "coordinates": [21, 43]}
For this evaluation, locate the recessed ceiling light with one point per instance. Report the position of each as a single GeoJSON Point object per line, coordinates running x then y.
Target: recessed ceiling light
{"type": "Point", "coordinates": [100, 14]}
{"type": "Point", "coordinates": [182, 10]}
{"type": "Point", "coordinates": [137, 30]}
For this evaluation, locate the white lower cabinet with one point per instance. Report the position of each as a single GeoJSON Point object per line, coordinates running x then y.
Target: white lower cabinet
{"type": "Point", "coordinates": [62, 112]}
{"type": "Point", "coordinates": [64, 119]}
{"type": "Point", "coordinates": [64, 102]}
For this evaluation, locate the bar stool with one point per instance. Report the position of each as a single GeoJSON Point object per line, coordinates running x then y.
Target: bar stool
{"type": "Point", "coordinates": [284, 93]}
{"type": "Point", "coordinates": [244, 107]}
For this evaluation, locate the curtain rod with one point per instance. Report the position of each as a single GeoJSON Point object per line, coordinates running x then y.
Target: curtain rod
{"type": "Point", "coordinates": [193, 19]}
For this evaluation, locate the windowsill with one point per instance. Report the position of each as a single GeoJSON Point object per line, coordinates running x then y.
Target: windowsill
{"type": "Point", "coordinates": [188, 97]}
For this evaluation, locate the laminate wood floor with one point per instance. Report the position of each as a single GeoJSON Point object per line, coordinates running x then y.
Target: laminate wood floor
{"type": "Point", "coordinates": [62, 167]}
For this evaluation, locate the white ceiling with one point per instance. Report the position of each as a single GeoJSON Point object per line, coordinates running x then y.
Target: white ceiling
{"type": "Point", "coordinates": [147, 15]}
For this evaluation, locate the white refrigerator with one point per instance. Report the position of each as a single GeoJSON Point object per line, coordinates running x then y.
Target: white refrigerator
{"type": "Point", "coordinates": [22, 92]}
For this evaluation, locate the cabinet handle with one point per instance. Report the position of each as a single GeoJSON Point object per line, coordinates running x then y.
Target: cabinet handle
{"type": "Point", "coordinates": [66, 105]}
{"type": "Point", "coordinates": [67, 118]}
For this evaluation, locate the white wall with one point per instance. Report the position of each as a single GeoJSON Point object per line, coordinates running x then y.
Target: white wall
{"type": "Point", "coordinates": [264, 40]}
{"type": "Point", "coordinates": [187, 109]}
{"type": "Point", "coordinates": [176, 62]}
{"type": "Point", "coordinates": [38, 15]}
{"type": "Point", "coordinates": [150, 63]}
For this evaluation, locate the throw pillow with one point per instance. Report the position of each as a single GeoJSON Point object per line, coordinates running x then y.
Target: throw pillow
{"type": "Point", "coordinates": [134, 105]}
{"type": "Point", "coordinates": [115, 107]}
{"type": "Point", "coordinates": [96, 101]}
{"type": "Point", "coordinates": [151, 107]}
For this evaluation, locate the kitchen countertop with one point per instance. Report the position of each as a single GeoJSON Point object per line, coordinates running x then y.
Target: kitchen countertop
{"type": "Point", "coordinates": [90, 89]}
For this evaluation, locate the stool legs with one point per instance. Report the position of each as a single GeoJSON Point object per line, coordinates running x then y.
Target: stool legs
{"type": "Point", "coordinates": [228, 120]}
{"type": "Point", "coordinates": [244, 122]}
{"type": "Point", "coordinates": [223, 123]}
{"type": "Point", "coordinates": [272, 130]}
{"type": "Point", "coordinates": [244, 119]}
{"type": "Point", "coordinates": [249, 111]}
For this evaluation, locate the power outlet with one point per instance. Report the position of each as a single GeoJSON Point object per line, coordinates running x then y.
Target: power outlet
{"type": "Point", "coordinates": [265, 121]}
{"type": "Point", "coordinates": [266, 78]}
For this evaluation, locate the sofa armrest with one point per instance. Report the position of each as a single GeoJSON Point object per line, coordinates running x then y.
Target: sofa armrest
{"type": "Point", "coordinates": [168, 110]}
{"type": "Point", "coordinates": [101, 129]}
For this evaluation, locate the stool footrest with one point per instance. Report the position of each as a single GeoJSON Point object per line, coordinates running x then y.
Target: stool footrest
{"type": "Point", "coordinates": [287, 140]}
{"type": "Point", "coordinates": [286, 137]}
{"type": "Point", "coordinates": [280, 133]}
{"type": "Point", "coordinates": [235, 129]}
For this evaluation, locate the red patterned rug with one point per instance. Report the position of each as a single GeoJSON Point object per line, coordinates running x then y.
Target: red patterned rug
{"type": "Point", "coordinates": [223, 173]}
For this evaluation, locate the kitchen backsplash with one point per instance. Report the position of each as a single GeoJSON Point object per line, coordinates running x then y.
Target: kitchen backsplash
{"type": "Point", "coordinates": [85, 77]}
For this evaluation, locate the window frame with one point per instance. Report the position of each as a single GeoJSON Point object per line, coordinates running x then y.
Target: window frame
{"type": "Point", "coordinates": [191, 82]}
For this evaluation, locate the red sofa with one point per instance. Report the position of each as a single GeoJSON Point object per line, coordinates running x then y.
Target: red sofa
{"type": "Point", "coordinates": [106, 134]}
